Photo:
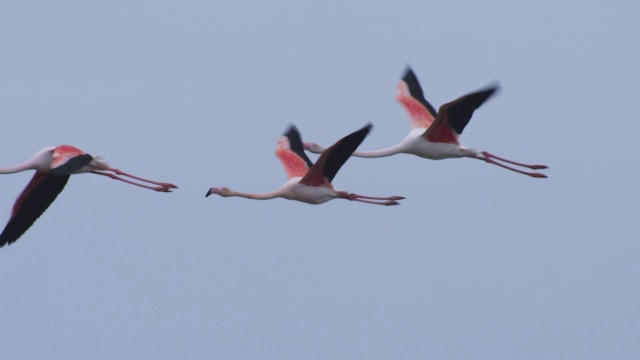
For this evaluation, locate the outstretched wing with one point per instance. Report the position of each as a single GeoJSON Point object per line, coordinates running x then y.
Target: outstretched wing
{"type": "Point", "coordinates": [455, 115]}
{"type": "Point", "coordinates": [291, 153]}
{"type": "Point", "coordinates": [411, 97]}
{"type": "Point", "coordinates": [334, 157]}
{"type": "Point", "coordinates": [41, 191]}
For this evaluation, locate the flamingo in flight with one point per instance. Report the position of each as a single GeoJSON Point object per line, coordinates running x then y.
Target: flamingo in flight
{"type": "Point", "coordinates": [435, 135]}
{"type": "Point", "coordinates": [53, 166]}
{"type": "Point", "coordinates": [308, 182]}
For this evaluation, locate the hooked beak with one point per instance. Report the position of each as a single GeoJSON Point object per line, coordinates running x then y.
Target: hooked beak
{"type": "Point", "coordinates": [209, 192]}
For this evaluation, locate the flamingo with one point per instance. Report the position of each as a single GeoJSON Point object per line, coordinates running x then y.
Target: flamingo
{"type": "Point", "coordinates": [435, 135]}
{"type": "Point", "coordinates": [53, 166]}
{"type": "Point", "coordinates": [308, 182]}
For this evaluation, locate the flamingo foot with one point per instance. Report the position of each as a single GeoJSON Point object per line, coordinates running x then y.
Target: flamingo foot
{"type": "Point", "coordinates": [539, 167]}
{"type": "Point", "coordinates": [538, 175]}
{"type": "Point", "coordinates": [162, 189]}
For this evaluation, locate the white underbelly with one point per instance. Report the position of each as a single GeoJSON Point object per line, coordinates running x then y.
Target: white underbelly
{"type": "Point", "coordinates": [437, 151]}
{"type": "Point", "coordinates": [308, 194]}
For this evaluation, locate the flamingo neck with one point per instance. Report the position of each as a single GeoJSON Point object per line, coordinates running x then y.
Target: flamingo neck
{"type": "Point", "coordinates": [379, 153]}
{"type": "Point", "coordinates": [41, 161]}
{"type": "Point", "coordinates": [17, 168]}
{"type": "Point", "coordinates": [264, 196]}
{"type": "Point", "coordinates": [317, 149]}
{"type": "Point", "coordinates": [396, 149]}
{"type": "Point", "coordinates": [31, 164]}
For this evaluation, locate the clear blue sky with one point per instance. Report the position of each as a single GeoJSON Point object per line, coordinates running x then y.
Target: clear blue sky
{"type": "Point", "coordinates": [477, 263]}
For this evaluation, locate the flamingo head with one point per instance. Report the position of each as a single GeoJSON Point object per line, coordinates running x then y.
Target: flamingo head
{"type": "Point", "coordinates": [222, 191]}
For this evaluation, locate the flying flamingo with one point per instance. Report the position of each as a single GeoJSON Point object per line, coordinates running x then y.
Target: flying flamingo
{"type": "Point", "coordinates": [53, 166]}
{"type": "Point", "coordinates": [435, 135]}
{"type": "Point", "coordinates": [311, 183]}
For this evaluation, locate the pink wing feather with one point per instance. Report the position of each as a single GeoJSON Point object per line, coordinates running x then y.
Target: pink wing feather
{"type": "Point", "coordinates": [294, 165]}
{"type": "Point", "coordinates": [419, 116]}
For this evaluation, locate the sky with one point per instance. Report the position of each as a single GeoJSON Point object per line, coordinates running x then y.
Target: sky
{"type": "Point", "coordinates": [477, 263]}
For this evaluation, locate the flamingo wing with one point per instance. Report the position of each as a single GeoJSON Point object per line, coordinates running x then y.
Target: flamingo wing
{"type": "Point", "coordinates": [291, 153]}
{"type": "Point", "coordinates": [410, 96]}
{"type": "Point", "coordinates": [41, 191]}
{"type": "Point", "coordinates": [70, 165]}
{"type": "Point", "coordinates": [68, 159]}
{"type": "Point", "coordinates": [455, 115]}
{"type": "Point", "coordinates": [332, 159]}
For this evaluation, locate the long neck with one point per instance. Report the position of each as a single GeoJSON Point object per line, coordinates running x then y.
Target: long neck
{"type": "Point", "coordinates": [265, 196]}
{"type": "Point", "coordinates": [17, 168]}
{"type": "Point", "coordinates": [40, 161]}
{"type": "Point", "coordinates": [396, 149]}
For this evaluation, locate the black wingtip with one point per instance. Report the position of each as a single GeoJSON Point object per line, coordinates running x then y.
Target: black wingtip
{"type": "Point", "coordinates": [485, 93]}
{"type": "Point", "coordinates": [409, 74]}
{"type": "Point", "coordinates": [495, 88]}
{"type": "Point", "coordinates": [359, 135]}
{"type": "Point", "coordinates": [461, 110]}
{"type": "Point", "coordinates": [291, 130]}
{"type": "Point", "coordinates": [415, 90]}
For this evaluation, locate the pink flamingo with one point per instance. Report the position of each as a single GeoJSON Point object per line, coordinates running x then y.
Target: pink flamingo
{"type": "Point", "coordinates": [435, 136]}
{"type": "Point", "coordinates": [53, 166]}
{"type": "Point", "coordinates": [311, 183]}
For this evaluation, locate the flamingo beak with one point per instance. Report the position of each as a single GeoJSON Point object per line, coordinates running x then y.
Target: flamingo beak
{"type": "Point", "coordinates": [209, 193]}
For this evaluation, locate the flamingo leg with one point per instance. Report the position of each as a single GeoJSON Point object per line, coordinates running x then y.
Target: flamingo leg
{"type": "Point", "coordinates": [491, 161]}
{"type": "Point", "coordinates": [353, 196]}
{"type": "Point", "coordinates": [533, 167]}
{"type": "Point", "coordinates": [158, 188]}
{"type": "Point", "coordinates": [120, 172]}
{"type": "Point", "coordinates": [386, 201]}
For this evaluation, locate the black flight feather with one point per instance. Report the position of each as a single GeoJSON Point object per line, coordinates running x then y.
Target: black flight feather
{"type": "Point", "coordinates": [295, 142]}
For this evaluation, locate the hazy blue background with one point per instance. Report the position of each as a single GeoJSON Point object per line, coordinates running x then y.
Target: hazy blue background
{"type": "Point", "coordinates": [477, 263]}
